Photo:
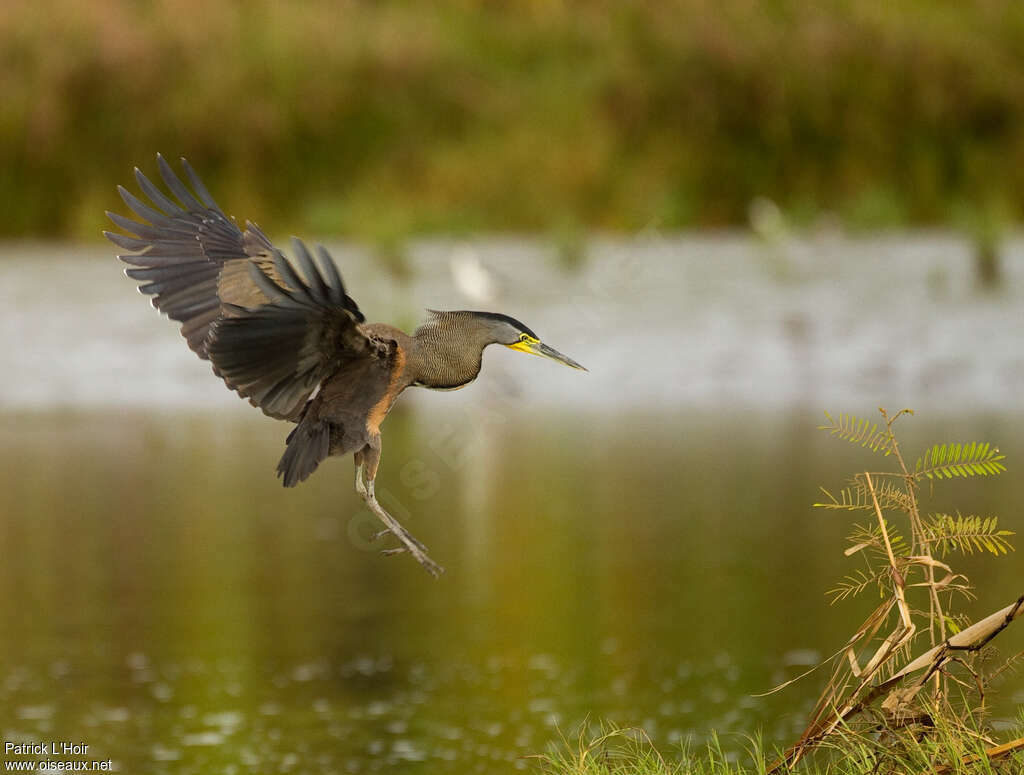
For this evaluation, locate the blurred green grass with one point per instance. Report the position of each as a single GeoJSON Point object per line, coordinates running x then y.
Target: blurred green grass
{"type": "Point", "coordinates": [378, 120]}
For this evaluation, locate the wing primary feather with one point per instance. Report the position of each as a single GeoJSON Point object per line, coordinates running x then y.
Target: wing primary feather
{"type": "Point", "coordinates": [337, 286]}
{"type": "Point", "coordinates": [156, 196]}
{"type": "Point", "coordinates": [303, 259]}
{"type": "Point", "coordinates": [146, 230]}
{"type": "Point", "coordinates": [314, 282]}
{"type": "Point", "coordinates": [197, 184]}
{"type": "Point", "coordinates": [318, 288]}
{"type": "Point", "coordinates": [126, 242]}
{"type": "Point", "coordinates": [287, 273]}
{"type": "Point", "coordinates": [150, 258]}
{"type": "Point", "coordinates": [142, 210]}
{"type": "Point", "coordinates": [334, 281]}
{"type": "Point", "coordinates": [175, 250]}
{"type": "Point", "coordinates": [168, 282]}
{"type": "Point", "coordinates": [148, 273]}
{"type": "Point", "coordinates": [176, 186]}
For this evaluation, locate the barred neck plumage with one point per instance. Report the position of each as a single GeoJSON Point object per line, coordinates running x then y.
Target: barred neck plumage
{"type": "Point", "coordinates": [449, 348]}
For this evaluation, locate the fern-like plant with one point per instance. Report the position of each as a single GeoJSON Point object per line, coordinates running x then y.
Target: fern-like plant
{"type": "Point", "coordinates": [904, 554]}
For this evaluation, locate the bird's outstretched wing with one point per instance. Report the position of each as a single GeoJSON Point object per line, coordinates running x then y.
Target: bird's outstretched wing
{"type": "Point", "coordinates": [277, 353]}
{"type": "Point", "coordinates": [187, 254]}
{"type": "Point", "coordinates": [200, 267]}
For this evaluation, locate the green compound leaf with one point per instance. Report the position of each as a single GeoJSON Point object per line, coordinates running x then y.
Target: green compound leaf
{"type": "Point", "coordinates": [945, 461]}
{"type": "Point", "coordinates": [857, 430]}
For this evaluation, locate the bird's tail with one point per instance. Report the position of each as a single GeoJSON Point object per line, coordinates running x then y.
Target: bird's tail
{"type": "Point", "coordinates": [308, 444]}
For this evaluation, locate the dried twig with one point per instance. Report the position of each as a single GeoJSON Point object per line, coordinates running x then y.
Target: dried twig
{"type": "Point", "coordinates": [996, 752]}
{"type": "Point", "coordinates": [971, 638]}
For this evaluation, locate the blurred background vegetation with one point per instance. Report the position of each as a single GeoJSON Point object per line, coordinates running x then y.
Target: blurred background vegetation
{"type": "Point", "coordinates": [378, 120]}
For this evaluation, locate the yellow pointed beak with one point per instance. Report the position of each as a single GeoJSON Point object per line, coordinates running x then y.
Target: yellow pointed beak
{"type": "Point", "coordinates": [539, 348]}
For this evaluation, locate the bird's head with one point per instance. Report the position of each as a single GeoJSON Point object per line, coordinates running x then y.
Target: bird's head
{"type": "Point", "coordinates": [516, 336]}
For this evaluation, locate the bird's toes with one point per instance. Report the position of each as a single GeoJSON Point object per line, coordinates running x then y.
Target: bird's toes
{"type": "Point", "coordinates": [432, 567]}
{"type": "Point", "coordinates": [403, 536]}
{"type": "Point", "coordinates": [429, 565]}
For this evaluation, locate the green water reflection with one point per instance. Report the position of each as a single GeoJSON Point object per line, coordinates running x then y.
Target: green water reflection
{"type": "Point", "coordinates": [164, 600]}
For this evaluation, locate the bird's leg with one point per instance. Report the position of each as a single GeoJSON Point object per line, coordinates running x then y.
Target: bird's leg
{"type": "Point", "coordinates": [360, 481]}
{"type": "Point", "coordinates": [361, 489]}
{"type": "Point", "coordinates": [410, 544]}
{"type": "Point", "coordinates": [369, 457]}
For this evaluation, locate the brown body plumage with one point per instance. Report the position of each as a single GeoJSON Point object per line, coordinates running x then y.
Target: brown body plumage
{"type": "Point", "coordinates": [290, 339]}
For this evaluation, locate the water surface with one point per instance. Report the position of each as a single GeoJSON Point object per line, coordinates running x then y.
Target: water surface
{"type": "Point", "coordinates": [634, 544]}
{"type": "Point", "coordinates": [164, 600]}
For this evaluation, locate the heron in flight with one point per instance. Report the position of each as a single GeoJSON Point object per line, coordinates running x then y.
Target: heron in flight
{"type": "Point", "coordinates": [290, 339]}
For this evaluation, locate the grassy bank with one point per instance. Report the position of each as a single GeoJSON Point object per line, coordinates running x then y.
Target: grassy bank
{"type": "Point", "coordinates": [949, 750]}
{"type": "Point", "coordinates": [377, 119]}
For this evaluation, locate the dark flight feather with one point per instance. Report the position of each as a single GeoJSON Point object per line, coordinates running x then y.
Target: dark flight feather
{"type": "Point", "coordinates": [278, 352]}
{"type": "Point", "coordinates": [198, 266]}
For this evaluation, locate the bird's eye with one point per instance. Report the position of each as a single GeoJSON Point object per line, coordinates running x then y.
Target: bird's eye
{"type": "Point", "coordinates": [524, 337]}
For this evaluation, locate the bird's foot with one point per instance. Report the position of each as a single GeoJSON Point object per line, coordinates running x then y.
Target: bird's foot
{"type": "Point", "coordinates": [415, 547]}
{"type": "Point", "coordinates": [431, 567]}
{"type": "Point", "coordinates": [409, 544]}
